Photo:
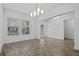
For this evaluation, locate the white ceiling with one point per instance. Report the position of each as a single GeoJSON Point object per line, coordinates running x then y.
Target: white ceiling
{"type": "Point", "coordinates": [29, 7]}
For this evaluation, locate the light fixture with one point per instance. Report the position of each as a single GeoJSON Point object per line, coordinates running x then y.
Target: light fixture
{"type": "Point", "coordinates": [37, 12]}
{"type": "Point", "coordinates": [38, 9]}
{"type": "Point", "coordinates": [42, 11]}
{"type": "Point", "coordinates": [31, 14]}
{"type": "Point", "coordinates": [34, 13]}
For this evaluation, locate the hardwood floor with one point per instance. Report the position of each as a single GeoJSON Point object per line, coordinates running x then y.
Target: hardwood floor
{"type": "Point", "coordinates": [40, 47]}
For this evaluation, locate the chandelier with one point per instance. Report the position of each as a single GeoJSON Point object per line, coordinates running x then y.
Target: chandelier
{"type": "Point", "coordinates": [37, 12]}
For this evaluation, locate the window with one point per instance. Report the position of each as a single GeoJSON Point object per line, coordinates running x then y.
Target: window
{"type": "Point", "coordinates": [25, 27]}
{"type": "Point", "coordinates": [13, 26]}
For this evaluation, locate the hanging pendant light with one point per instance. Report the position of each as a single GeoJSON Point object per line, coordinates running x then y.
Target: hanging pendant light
{"type": "Point", "coordinates": [31, 14]}
{"type": "Point", "coordinates": [38, 9]}
{"type": "Point", "coordinates": [37, 12]}
{"type": "Point", "coordinates": [42, 11]}
{"type": "Point", "coordinates": [34, 13]}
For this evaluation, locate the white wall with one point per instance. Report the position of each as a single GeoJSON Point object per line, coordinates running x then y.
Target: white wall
{"type": "Point", "coordinates": [1, 27]}
{"type": "Point", "coordinates": [69, 28]}
{"type": "Point", "coordinates": [55, 29]}
{"type": "Point", "coordinates": [56, 25]}
{"type": "Point", "coordinates": [13, 38]}
{"type": "Point", "coordinates": [76, 41]}
{"type": "Point", "coordinates": [64, 8]}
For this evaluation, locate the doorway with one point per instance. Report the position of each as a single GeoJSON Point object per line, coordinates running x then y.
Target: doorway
{"type": "Point", "coordinates": [69, 27]}
{"type": "Point", "coordinates": [42, 30]}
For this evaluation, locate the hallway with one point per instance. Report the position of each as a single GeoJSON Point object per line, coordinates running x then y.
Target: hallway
{"type": "Point", "coordinates": [40, 47]}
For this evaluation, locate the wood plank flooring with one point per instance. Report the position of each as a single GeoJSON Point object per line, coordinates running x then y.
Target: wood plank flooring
{"type": "Point", "coordinates": [40, 47]}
